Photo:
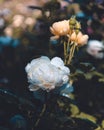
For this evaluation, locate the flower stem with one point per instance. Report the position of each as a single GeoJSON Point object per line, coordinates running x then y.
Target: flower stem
{"type": "Point", "coordinates": [65, 52]}
{"type": "Point", "coordinates": [71, 53]}
{"type": "Point", "coordinates": [40, 116]}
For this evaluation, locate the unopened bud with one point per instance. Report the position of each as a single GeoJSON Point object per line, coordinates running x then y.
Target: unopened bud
{"type": "Point", "coordinates": [72, 21]}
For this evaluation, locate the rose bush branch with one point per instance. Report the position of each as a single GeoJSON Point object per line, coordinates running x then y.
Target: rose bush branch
{"type": "Point", "coordinates": [70, 29]}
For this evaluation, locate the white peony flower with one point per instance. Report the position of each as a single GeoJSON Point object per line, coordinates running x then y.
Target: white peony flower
{"type": "Point", "coordinates": [46, 74]}
{"type": "Point", "coordinates": [96, 49]}
{"type": "Point", "coordinates": [60, 64]}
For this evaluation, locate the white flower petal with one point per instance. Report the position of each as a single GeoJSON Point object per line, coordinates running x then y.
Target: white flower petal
{"type": "Point", "coordinates": [56, 61]}
{"type": "Point", "coordinates": [33, 87]}
{"type": "Point", "coordinates": [94, 49]}
{"type": "Point", "coordinates": [65, 79]}
{"type": "Point", "coordinates": [46, 74]}
{"type": "Point", "coordinates": [27, 67]}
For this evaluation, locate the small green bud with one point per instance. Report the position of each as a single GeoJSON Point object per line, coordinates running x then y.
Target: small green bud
{"type": "Point", "coordinates": [72, 21]}
{"type": "Point", "coordinates": [78, 25]}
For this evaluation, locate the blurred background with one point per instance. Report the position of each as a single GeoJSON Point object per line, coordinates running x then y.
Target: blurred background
{"type": "Point", "coordinates": [25, 34]}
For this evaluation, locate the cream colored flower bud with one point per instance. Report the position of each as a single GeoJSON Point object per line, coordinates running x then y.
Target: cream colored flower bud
{"type": "Point", "coordinates": [73, 36]}
{"type": "Point", "coordinates": [60, 28]}
{"type": "Point", "coordinates": [83, 40]}
{"type": "Point", "coordinates": [79, 38]}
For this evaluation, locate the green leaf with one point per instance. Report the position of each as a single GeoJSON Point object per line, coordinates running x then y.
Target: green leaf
{"type": "Point", "coordinates": [102, 124]}
{"type": "Point", "coordinates": [98, 128]}
{"type": "Point", "coordinates": [101, 79]}
{"type": "Point", "coordinates": [83, 115]}
{"type": "Point", "coordinates": [74, 110]}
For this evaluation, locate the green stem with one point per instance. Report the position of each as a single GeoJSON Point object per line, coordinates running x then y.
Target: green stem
{"type": "Point", "coordinates": [71, 53]}
{"type": "Point", "coordinates": [41, 114]}
{"type": "Point", "coordinates": [65, 52]}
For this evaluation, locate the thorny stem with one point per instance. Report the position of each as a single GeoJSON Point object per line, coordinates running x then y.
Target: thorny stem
{"type": "Point", "coordinates": [68, 46]}
{"type": "Point", "coordinates": [65, 52]}
{"type": "Point", "coordinates": [41, 114]}
{"type": "Point", "coordinates": [71, 53]}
